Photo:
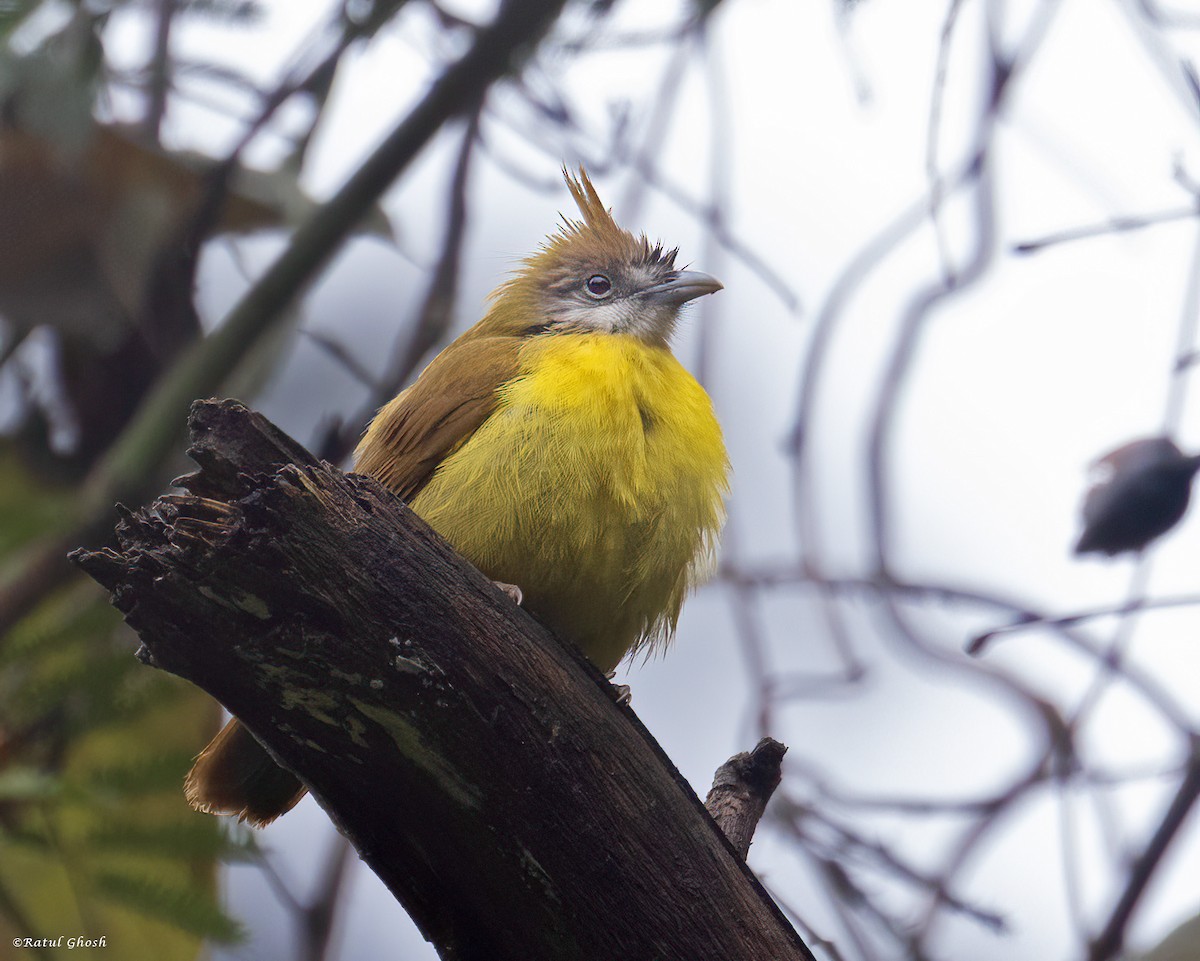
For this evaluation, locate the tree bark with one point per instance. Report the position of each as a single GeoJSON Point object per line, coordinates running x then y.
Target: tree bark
{"type": "Point", "coordinates": [481, 769]}
{"type": "Point", "coordinates": [741, 789]}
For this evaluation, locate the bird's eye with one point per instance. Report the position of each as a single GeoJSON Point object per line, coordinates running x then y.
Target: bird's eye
{"type": "Point", "coordinates": [598, 286]}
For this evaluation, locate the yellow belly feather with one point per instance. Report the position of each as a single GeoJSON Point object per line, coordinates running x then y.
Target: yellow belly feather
{"type": "Point", "coordinates": [597, 486]}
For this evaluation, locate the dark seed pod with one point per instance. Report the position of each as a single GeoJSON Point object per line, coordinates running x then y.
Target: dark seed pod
{"type": "Point", "coordinates": [1141, 494]}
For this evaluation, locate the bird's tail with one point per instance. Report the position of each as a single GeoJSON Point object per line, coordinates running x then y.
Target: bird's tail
{"type": "Point", "coordinates": [236, 775]}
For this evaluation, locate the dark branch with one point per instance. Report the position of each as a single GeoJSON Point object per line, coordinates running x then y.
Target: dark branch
{"type": "Point", "coordinates": [481, 769]}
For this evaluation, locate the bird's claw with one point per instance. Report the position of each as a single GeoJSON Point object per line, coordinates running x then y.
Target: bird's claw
{"type": "Point", "coordinates": [512, 591]}
{"type": "Point", "coordinates": [621, 692]}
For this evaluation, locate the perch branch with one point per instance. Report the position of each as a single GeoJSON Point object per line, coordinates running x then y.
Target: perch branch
{"type": "Point", "coordinates": [480, 768]}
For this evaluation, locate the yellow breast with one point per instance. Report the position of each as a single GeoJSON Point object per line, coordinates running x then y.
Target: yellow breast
{"type": "Point", "coordinates": [597, 486]}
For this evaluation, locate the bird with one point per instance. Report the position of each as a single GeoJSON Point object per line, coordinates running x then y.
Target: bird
{"type": "Point", "coordinates": [560, 447]}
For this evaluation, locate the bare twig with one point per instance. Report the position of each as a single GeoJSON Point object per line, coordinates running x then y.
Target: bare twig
{"type": "Point", "coordinates": [320, 914]}
{"type": "Point", "coordinates": [741, 789]}
{"type": "Point", "coordinates": [933, 174]}
{"type": "Point", "coordinates": [1185, 344]}
{"type": "Point", "coordinates": [1029, 619]}
{"type": "Point", "coordinates": [1113, 225]}
{"type": "Point", "coordinates": [159, 85]}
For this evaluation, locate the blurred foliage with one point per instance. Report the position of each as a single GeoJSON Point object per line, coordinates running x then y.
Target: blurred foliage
{"type": "Point", "coordinates": [95, 836]}
{"type": "Point", "coordinates": [238, 11]}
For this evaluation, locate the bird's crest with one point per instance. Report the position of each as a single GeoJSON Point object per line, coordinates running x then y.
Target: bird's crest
{"type": "Point", "coordinates": [597, 220]}
{"type": "Point", "coordinates": [597, 234]}
{"type": "Point", "coordinates": [593, 239]}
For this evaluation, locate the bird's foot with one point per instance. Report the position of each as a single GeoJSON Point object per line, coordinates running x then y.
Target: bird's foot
{"type": "Point", "coordinates": [512, 591]}
{"type": "Point", "coordinates": [621, 692]}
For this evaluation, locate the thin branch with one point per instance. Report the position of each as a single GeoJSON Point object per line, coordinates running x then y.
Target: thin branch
{"type": "Point", "coordinates": [1113, 225]}
{"type": "Point", "coordinates": [1175, 69]}
{"type": "Point", "coordinates": [920, 309]}
{"type": "Point", "coordinates": [336, 349]}
{"type": "Point", "coordinates": [658, 124]}
{"type": "Point", "coordinates": [159, 81]}
{"type": "Point", "coordinates": [1171, 19]}
{"type": "Point", "coordinates": [1026, 620]}
{"type": "Point", "coordinates": [277, 884]}
{"type": "Point", "coordinates": [752, 643]}
{"type": "Point", "coordinates": [1071, 856]}
{"type": "Point", "coordinates": [741, 250]}
{"type": "Point", "coordinates": [436, 315]}
{"type": "Point", "coordinates": [720, 179]}
{"type": "Point", "coordinates": [320, 915]}
{"type": "Point", "coordinates": [933, 174]}
{"type": "Point", "coordinates": [1185, 343]}
{"type": "Point", "coordinates": [1109, 942]}
{"type": "Point", "coordinates": [1110, 665]}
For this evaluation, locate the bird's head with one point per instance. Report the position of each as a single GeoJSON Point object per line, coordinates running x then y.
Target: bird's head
{"type": "Point", "coordinates": [593, 276]}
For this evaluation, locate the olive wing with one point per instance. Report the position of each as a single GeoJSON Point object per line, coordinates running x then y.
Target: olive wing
{"type": "Point", "coordinates": [421, 426]}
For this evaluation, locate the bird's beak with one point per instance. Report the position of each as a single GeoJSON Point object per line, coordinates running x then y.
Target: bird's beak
{"type": "Point", "coordinates": [684, 286]}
